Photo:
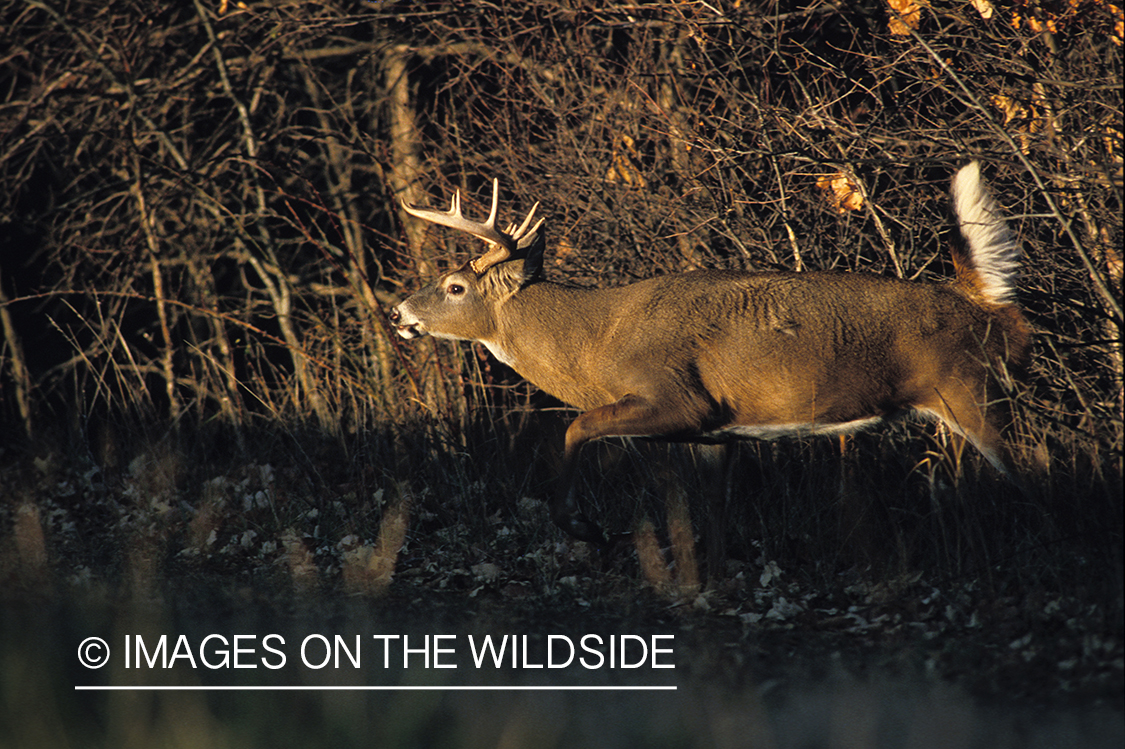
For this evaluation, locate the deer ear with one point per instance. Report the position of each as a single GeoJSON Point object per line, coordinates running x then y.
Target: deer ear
{"type": "Point", "coordinates": [533, 261]}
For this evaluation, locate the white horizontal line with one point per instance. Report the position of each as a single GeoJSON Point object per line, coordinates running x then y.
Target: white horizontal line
{"type": "Point", "coordinates": [139, 688]}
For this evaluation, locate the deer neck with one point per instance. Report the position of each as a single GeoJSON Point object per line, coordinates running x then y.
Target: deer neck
{"type": "Point", "coordinates": [546, 332]}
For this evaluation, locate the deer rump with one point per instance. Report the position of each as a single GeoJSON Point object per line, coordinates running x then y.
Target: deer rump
{"type": "Point", "coordinates": [710, 356]}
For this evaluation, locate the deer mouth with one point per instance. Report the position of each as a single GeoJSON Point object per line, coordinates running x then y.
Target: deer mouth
{"type": "Point", "coordinates": [409, 331]}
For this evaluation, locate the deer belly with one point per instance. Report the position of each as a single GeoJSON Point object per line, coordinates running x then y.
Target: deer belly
{"type": "Point", "coordinates": [795, 429]}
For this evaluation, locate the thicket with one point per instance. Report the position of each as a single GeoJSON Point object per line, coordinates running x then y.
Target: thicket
{"type": "Point", "coordinates": [200, 213]}
{"type": "Point", "coordinates": [201, 201]}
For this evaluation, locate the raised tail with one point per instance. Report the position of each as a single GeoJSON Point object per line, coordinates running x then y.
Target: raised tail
{"type": "Point", "coordinates": [988, 266]}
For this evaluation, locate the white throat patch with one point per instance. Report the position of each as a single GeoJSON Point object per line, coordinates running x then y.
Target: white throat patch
{"type": "Point", "coordinates": [499, 353]}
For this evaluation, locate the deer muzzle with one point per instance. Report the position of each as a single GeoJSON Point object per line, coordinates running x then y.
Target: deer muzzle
{"type": "Point", "coordinates": [405, 323]}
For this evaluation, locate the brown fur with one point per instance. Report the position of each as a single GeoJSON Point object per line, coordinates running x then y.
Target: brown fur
{"type": "Point", "coordinates": [715, 355]}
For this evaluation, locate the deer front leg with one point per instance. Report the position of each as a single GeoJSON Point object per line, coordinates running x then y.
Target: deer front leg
{"type": "Point", "coordinates": [630, 416]}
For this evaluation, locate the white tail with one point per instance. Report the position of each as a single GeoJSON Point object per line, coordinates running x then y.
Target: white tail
{"type": "Point", "coordinates": [711, 355]}
{"type": "Point", "coordinates": [992, 248]}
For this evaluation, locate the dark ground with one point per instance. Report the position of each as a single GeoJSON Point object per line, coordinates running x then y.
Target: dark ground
{"type": "Point", "coordinates": [774, 653]}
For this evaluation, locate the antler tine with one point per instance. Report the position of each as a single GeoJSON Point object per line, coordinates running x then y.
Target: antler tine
{"type": "Point", "coordinates": [491, 222]}
{"type": "Point", "coordinates": [522, 233]}
{"type": "Point", "coordinates": [455, 206]}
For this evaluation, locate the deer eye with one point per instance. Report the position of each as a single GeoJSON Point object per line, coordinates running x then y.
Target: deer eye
{"type": "Point", "coordinates": [455, 289]}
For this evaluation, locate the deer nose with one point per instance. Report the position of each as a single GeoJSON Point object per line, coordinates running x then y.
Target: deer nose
{"type": "Point", "coordinates": [395, 316]}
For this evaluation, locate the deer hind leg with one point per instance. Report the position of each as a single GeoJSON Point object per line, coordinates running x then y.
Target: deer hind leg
{"type": "Point", "coordinates": [630, 416]}
{"type": "Point", "coordinates": [716, 462]}
{"type": "Point", "coordinates": [977, 421]}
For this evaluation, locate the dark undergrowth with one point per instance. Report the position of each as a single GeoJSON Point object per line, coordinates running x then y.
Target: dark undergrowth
{"type": "Point", "coordinates": [855, 578]}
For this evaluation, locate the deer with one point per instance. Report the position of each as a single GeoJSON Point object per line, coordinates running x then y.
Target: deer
{"type": "Point", "coordinates": [710, 356]}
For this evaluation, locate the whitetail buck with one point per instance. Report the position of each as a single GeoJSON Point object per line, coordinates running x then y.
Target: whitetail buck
{"type": "Point", "coordinates": [712, 355]}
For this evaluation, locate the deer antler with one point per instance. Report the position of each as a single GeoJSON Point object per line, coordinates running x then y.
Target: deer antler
{"type": "Point", "coordinates": [502, 243]}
